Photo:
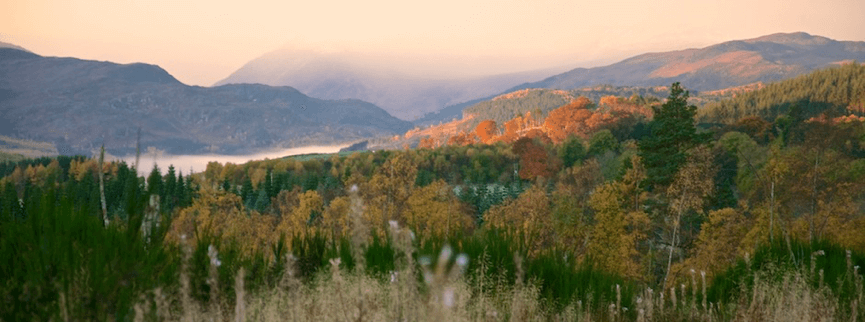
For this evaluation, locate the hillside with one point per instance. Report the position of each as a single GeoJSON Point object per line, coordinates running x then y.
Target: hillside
{"type": "Point", "coordinates": [835, 91]}
{"type": "Point", "coordinates": [540, 101]}
{"type": "Point", "coordinates": [391, 84]}
{"type": "Point", "coordinates": [77, 105]}
{"type": "Point", "coordinates": [765, 59]}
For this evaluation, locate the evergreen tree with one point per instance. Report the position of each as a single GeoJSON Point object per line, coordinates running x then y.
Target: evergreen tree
{"type": "Point", "coordinates": [190, 191]}
{"type": "Point", "coordinates": [11, 207]}
{"type": "Point", "coordinates": [247, 193]}
{"type": "Point", "coordinates": [226, 186]}
{"type": "Point", "coordinates": [664, 151]}
{"type": "Point", "coordinates": [154, 182]}
{"type": "Point", "coordinates": [262, 201]}
{"type": "Point", "coordinates": [169, 193]}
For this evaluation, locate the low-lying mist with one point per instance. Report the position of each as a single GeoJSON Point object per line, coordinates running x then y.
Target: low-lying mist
{"type": "Point", "coordinates": [197, 163]}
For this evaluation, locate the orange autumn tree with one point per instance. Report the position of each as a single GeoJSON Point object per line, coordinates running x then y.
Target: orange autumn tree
{"type": "Point", "coordinates": [463, 138]}
{"type": "Point", "coordinates": [487, 131]}
{"type": "Point", "coordinates": [568, 119]}
{"type": "Point", "coordinates": [535, 160]}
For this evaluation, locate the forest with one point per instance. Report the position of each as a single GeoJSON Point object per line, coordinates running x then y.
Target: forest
{"type": "Point", "coordinates": [631, 209]}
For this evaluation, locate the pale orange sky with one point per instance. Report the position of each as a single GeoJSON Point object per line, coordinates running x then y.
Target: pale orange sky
{"type": "Point", "coordinates": [201, 42]}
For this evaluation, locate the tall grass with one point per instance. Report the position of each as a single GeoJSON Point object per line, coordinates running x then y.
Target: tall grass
{"type": "Point", "coordinates": [62, 263]}
{"type": "Point", "coordinates": [60, 260]}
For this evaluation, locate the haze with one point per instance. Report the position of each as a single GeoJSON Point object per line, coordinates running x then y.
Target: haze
{"type": "Point", "coordinates": [198, 163]}
{"type": "Point", "coordinates": [200, 42]}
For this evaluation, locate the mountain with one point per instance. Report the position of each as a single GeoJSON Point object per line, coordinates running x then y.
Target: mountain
{"type": "Point", "coordinates": [8, 45]}
{"type": "Point", "coordinates": [394, 84]}
{"type": "Point", "coordinates": [79, 104]}
{"type": "Point", "coordinates": [765, 59]}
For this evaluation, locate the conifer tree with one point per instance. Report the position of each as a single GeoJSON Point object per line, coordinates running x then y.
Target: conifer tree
{"type": "Point", "coordinates": [664, 151]}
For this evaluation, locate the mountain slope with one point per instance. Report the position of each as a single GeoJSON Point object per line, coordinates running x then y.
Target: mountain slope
{"type": "Point", "coordinates": [78, 105]}
{"type": "Point", "coordinates": [8, 45]}
{"type": "Point", "coordinates": [765, 59]}
{"type": "Point", "coordinates": [389, 84]}
{"type": "Point", "coordinates": [837, 91]}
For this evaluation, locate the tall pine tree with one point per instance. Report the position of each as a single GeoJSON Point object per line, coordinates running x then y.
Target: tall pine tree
{"type": "Point", "coordinates": [673, 133]}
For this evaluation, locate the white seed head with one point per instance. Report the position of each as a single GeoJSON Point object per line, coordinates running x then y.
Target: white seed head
{"type": "Point", "coordinates": [448, 297]}
{"type": "Point", "coordinates": [463, 260]}
{"type": "Point", "coordinates": [446, 253]}
{"type": "Point", "coordinates": [424, 261]}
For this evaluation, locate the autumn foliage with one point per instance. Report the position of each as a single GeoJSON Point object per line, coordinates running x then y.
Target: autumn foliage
{"type": "Point", "coordinates": [486, 131]}
{"type": "Point", "coordinates": [580, 117]}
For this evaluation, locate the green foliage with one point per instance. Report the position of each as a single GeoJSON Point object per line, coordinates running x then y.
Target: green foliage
{"type": "Point", "coordinates": [664, 151]}
{"type": "Point", "coordinates": [572, 151]}
{"type": "Point", "coordinates": [60, 249]}
{"type": "Point", "coordinates": [494, 254]}
{"type": "Point", "coordinates": [824, 91]}
{"type": "Point", "coordinates": [601, 142]}
{"type": "Point", "coordinates": [784, 257]}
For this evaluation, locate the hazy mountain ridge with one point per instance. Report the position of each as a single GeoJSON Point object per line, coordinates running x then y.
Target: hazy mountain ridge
{"type": "Point", "coordinates": [729, 64]}
{"type": "Point", "coordinates": [726, 65]}
{"type": "Point", "coordinates": [339, 75]}
{"type": "Point", "coordinates": [79, 104]}
{"type": "Point", "coordinates": [8, 45]}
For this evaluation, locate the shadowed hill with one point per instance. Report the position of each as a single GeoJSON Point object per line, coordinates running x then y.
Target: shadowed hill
{"type": "Point", "coordinates": [79, 104]}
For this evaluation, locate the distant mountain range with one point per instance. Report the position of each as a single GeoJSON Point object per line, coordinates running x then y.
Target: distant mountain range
{"type": "Point", "coordinates": [79, 104]}
{"type": "Point", "coordinates": [8, 45]}
{"type": "Point", "coordinates": [390, 84]}
{"type": "Point", "coordinates": [730, 64]}
{"type": "Point", "coordinates": [765, 59]}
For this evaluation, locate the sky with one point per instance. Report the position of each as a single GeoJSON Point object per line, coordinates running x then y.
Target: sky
{"type": "Point", "coordinates": [201, 42]}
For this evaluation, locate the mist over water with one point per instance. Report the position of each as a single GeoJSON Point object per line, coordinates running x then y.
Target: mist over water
{"type": "Point", "coordinates": [198, 163]}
